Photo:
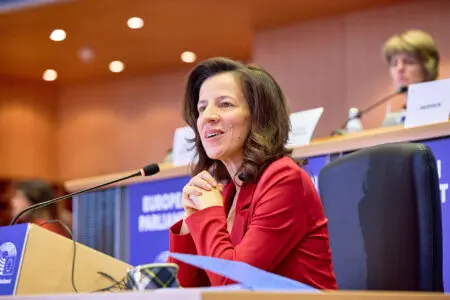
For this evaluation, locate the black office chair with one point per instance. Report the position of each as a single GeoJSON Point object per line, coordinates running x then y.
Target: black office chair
{"type": "Point", "coordinates": [384, 211]}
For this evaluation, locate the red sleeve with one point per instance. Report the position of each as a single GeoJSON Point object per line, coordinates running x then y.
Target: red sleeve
{"type": "Point", "coordinates": [188, 275]}
{"type": "Point", "coordinates": [279, 222]}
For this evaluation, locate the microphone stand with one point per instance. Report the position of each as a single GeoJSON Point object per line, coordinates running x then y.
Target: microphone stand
{"type": "Point", "coordinates": [341, 130]}
{"type": "Point", "coordinates": [146, 171]}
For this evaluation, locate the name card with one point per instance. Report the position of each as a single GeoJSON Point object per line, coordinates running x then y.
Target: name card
{"type": "Point", "coordinates": [183, 150]}
{"type": "Point", "coordinates": [303, 124]}
{"type": "Point", "coordinates": [428, 103]}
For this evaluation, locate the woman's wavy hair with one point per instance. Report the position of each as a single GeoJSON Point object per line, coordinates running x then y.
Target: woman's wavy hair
{"type": "Point", "coordinates": [270, 124]}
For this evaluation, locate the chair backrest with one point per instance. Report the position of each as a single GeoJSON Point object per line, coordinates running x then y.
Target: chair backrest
{"type": "Point", "coordinates": [384, 212]}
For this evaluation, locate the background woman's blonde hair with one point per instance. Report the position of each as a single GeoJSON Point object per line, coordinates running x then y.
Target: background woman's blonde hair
{"type": "Point", "coordinates": [418, 44]}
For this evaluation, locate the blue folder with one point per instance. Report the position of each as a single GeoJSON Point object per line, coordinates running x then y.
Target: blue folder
{"type": "Point", "coordinates": [244, 274]}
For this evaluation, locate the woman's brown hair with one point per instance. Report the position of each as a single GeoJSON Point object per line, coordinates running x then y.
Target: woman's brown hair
{"type": "Point", "coordinates": [270, 123]}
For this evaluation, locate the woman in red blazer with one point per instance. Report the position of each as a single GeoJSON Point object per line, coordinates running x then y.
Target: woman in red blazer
{"type": "Point", "coordinates": [269, 213]}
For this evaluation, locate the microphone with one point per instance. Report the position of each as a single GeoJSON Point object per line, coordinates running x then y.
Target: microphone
{"type": "Point", "coordinates": [401, 90]}
{"type": "Point", "coordinates": [148, 170]}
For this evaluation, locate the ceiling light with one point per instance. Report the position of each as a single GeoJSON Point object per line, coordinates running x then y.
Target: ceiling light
{"type": "Point", "coordinates": [188, 57]}
{"type": "Point", "coordinates": [58, 35]}
{"type": "Point", "coordinates": [135, 23]}
{"type": "Point", "coordinates": [49, 75]}
{"type": "Point", "coordinates": [116, 66]}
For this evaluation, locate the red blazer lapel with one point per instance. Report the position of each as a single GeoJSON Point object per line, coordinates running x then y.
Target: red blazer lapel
{"type": "Point", "coordinates": [244, 201]}
{"type": "Point", "coordinates": [228, 191]}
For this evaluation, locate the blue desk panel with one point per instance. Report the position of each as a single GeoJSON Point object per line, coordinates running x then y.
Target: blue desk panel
{"type": "Point", "coordinates": [155, 205]}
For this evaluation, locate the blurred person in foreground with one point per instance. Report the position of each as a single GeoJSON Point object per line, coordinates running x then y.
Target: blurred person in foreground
{"type": "Point", "coordinates": [412, 57]}
{"type": "Point", "coordinates": [30, 192]}
{"type": "Point", "coordinates": [268, 213]}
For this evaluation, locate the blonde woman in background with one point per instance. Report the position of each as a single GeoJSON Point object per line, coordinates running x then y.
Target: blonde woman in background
{"type": "Point", "coordinates": [412, 57]}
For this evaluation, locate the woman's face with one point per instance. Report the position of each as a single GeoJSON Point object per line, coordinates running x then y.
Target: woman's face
{"type": "Point", "coordinates": [224, 118]}
{"type": "Point", "coordinates": [405, 70]}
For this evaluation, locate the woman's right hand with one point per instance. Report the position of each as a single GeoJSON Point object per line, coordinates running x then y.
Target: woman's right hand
{"type": "Point", "coordinates": [201, 182]}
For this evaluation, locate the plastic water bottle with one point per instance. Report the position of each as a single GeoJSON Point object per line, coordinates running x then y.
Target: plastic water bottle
{"type": "Point", "coordinates": [354, 124]}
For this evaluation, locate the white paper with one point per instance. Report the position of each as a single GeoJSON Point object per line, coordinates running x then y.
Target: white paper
{"type": "Point", "coordinates": [303, 124]}
{"type": "Point", "coordinates": [428, 103]}
{"type": "Point", "coordinates": [182, 153]}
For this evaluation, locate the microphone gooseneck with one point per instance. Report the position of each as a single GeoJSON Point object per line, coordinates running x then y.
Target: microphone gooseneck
{"type": "Point", "coordinates": [148, 170]}
{"type": "Point", "coordinates": [401, 90]}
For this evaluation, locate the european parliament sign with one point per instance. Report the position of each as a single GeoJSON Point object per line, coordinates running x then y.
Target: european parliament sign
{"type": "Point", "coordinates": [153, 207]}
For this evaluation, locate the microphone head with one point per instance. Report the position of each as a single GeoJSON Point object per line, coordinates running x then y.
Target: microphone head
{"type": "Point", "coordinates": [402, 89]}
{"type": "Point", "coordinates": [149, 170]}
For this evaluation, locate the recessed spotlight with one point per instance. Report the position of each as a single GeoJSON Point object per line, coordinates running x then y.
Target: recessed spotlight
{"type": "Point", "coordinates": [116, 66]}
{"type": "Point", "coordinates": [135, 23]}
{"type": "Point", "coordinates": [188, 57]}
{"type": "Point", "coordinates": [49, 75]}
{"type": "Point", "coordinates": [58, 35]}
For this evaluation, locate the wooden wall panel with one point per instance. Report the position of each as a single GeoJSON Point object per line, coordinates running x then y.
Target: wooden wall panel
{"type": "Point", "coordinates": [27, 129]}
{"type": "Point", "coordinates": [336, 62]}
{"type": "Point", "coordinates": [88, 129]}
{"type": "Point", "coordinates": [119, 125]}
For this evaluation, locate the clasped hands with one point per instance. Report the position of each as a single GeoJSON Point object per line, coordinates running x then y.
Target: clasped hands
{"type": "Point", "coordinates": [201, 192]}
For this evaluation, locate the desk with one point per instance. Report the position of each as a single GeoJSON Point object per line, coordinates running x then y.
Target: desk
{"type": "Point", "coordinates": [148, 206]}
{"type": "Point", "coordinates": [197, 294]}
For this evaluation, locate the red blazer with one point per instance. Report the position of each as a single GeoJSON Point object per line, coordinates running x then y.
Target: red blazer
{"type": "Point", "coordinates": [279, 227]}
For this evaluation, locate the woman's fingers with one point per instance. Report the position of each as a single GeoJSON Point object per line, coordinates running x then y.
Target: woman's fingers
{"type": "Point", "coordinates": [208, 178]}
{"type": "Point", "coordinates": [190, 190]}
{"type": "Point", "coordinates": [197, 185]}
{"type": "Point", "coordinates": [189, 206]}
{"type": "Point", "coordinates": [200, 183]}
{"type": "Point", "coordinates": [189, 203]}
